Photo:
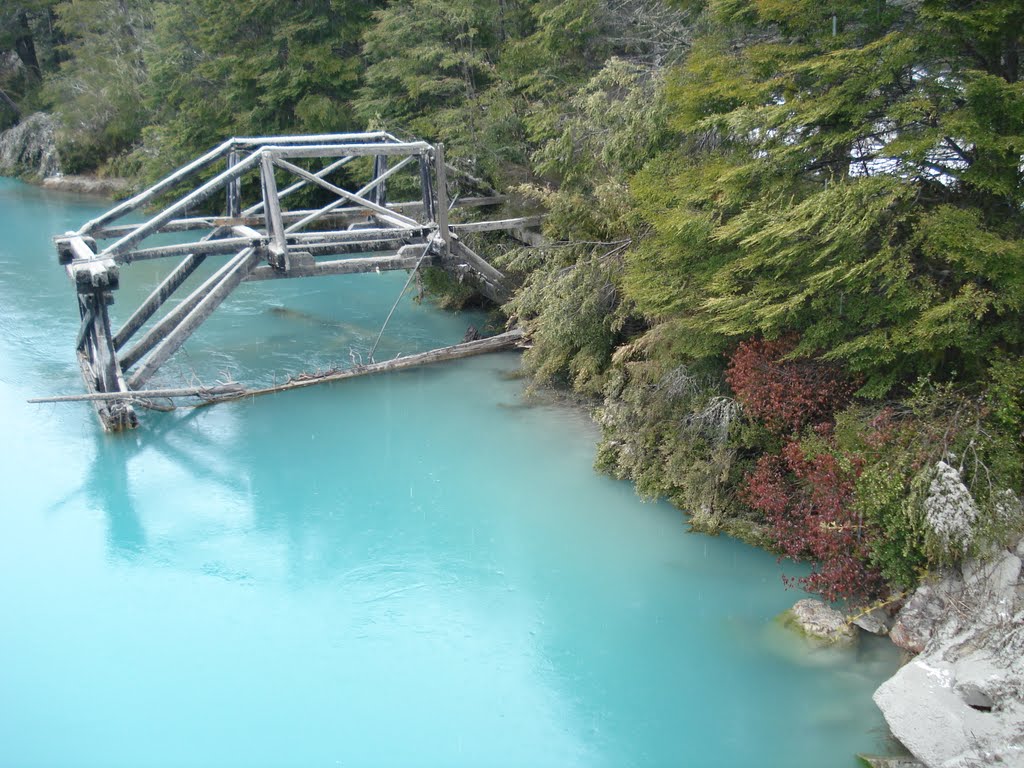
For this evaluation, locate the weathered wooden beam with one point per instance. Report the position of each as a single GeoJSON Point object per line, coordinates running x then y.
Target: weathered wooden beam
{"type": "Point", "coordinates": [337, 150]}
{"type": "Point", "coordinates": [143, 394]}
{"type": "Point", "coordinates": [441, 197]}
{"type": "Point", "coordinates": [357, 235]}
{"type": "Point", "coordinates": [201, 193]}
{"type": "Point", "coordinates": [203, 247]}
{"type": "Point", "coordinates": [500, 224]}
{"type": "Point", "coordinates": [339, 267]}
{"type": "Point", "coordinates": [173, 318]}
{"type": "Point", "coordinates": [322, 138]}
{"type": "Point", "coordinates": [339, 215]}
{"type": "Point", "coordinates": [86, 270]}
{"type": "Point", "coordinates": [427, 188]}
{"type": "Point", "coordinates": [383, 213]}
{"type": "Point", "coordinates": [233, 205]}
{"type": "Point", "coordinates": [361, 192]}
{"type": "Point", "coordinates": [469, 266]}
{"type": "Point", "coordinates": [463, 251]}
{"type": "Point", "coordinates": [379, 193]}
{"type": "Point", "coordinates": [171, 343]}
{"type": "Point", "coordinates": [272, 206]}
{"type": "Point", "coordinates": [156, 299]}
{"type": "Point", "coordinates": [152, 192]}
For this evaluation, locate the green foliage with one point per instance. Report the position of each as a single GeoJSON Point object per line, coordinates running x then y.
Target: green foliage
{"type": "Point", "coordinates": [786, 209]}
{"type": "Point", "coordinates": [569, 313]}
{"type": "Point", "coordinates": [99, 90]}
{"type": "Point", "coordinates": [249, 68]}
{"type": "Point", "coordinates": [609, 128]}
{"type": "Point", "coordinates": [669, 430]}
{"type": "Point", "coordinates": [430, 63]}
{"type": "Point", "coordinates": [444, 290]}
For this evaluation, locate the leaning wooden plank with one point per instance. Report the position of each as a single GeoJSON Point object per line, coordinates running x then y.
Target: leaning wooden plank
{"type": "Point", "coordinates": [157, 298]}
{"type": "Point", "coordinates": [339, 267]}
{"type": "Point", "coordinates": [382, 213]}
{"type": "Point", "coordinates": [144, 394]}
{"type": "Point", "coordinates": [507, 340]}
{"type": "Point", "coordinates": [201, 193]}
{"type": "Point", "coordinates": [346, 214]}
{"type": "Point", "coordinates": [338, 150]}
{"type": "Point", "coordinates": [161, 186]}
{"type": "Point", "coordinates": [167, 323]}
{"type": "Point", "coordinates": [463, 251]}
{"type": "Point", "coordinates": [500, 224]}
{"type": "Point", "coordinates": [177, 337]}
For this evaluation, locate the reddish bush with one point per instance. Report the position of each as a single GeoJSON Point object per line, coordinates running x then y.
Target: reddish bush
{"type": "Point", "coordinates": [807, 502]}
{"type": "Point", "coordinates": [786, 395]}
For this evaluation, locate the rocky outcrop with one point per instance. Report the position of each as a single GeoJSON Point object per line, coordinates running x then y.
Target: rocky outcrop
{"type": "Point", "coordinates": [960, 702]}
{"type": "Point", "coordinates": [88, 185]}
{"type": "Point", "coordinates": [30, 148]}
{"type": "Point", "coordinates": [874, 622]}
{"type": "Point", "coordinates": [819, 622]}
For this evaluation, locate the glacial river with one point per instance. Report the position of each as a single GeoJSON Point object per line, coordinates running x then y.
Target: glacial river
{"type": "Point", "coordinates": [421, 569]}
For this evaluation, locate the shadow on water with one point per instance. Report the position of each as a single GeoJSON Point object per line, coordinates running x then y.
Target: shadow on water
{"type": "Point", "coordinates": [107, 486]}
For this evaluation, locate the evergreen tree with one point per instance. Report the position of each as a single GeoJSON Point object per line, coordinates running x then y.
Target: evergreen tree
{"type": "Point", "coordinates": [430, 62]}
{"type": "Point", "coordinates": [99, 90]}
{"type": "Point", "coordinates": [861, 188]}
{"type": "Point", "coordinates": [251, 67]}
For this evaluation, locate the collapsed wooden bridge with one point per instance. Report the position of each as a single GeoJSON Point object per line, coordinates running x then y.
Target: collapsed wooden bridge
{"type": "Point", "coordinates": [357, 231]}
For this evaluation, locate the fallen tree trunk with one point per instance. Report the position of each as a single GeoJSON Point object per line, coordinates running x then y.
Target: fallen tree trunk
{"type": "Point", "coordinates": [143, 394]}
{"type": "Point", "coordinates": [497, 343]}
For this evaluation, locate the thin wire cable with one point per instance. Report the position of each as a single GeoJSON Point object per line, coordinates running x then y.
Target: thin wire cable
{"type": "Point", "coordinates": [394, 306]}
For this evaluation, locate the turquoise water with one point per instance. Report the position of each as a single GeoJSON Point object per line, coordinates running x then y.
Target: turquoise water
{"type": "Point", "coordinates": [413, 570]}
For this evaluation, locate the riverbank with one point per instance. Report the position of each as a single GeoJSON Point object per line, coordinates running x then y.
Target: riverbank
{"type": "Point", "coordinates": [87, 185]}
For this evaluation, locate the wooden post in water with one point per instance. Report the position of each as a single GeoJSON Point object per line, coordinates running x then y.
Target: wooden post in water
{"type": "Point", "coordinates": [441, 198]}
{"type": "Point", "coordinates": [380, 167]}
{"type": "Point", "coordinates": [234, 191]}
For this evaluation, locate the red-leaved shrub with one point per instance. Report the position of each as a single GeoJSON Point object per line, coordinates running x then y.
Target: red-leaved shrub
{"type": "Point", "coordinates": [807, 502]}
{"type": "Point", "coordinates": [786, 395]}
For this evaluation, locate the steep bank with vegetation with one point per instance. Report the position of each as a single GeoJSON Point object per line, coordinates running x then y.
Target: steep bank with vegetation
{"type": "Point", "coordinates": [785, 236]}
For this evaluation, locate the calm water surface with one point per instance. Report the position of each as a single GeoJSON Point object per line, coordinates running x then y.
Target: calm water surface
{"type": "Point", "coordinates": [414, 570]}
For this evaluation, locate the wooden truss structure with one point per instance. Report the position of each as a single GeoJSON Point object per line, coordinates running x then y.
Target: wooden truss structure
{"type": "Point", "coordinates": [356, 231]}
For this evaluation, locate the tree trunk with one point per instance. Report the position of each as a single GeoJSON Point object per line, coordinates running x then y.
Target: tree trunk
{"type": "Point", "coordinates": [5, 99]}
{"type": "Point", "coordinates": [25, 47]}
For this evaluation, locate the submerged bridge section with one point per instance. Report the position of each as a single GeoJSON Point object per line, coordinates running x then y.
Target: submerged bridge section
{"type": "Point", "coordinates": [355, 230]}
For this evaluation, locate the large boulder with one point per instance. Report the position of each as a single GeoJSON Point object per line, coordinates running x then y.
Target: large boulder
{"type": "Point", "coordinates": [819, 622]}
{"type": "Point", "coordinates": [30, 148]}
{"type": "Point", "coordinates": [960, 702]}
{"type": "Point", "coordinates": [917, 620]}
